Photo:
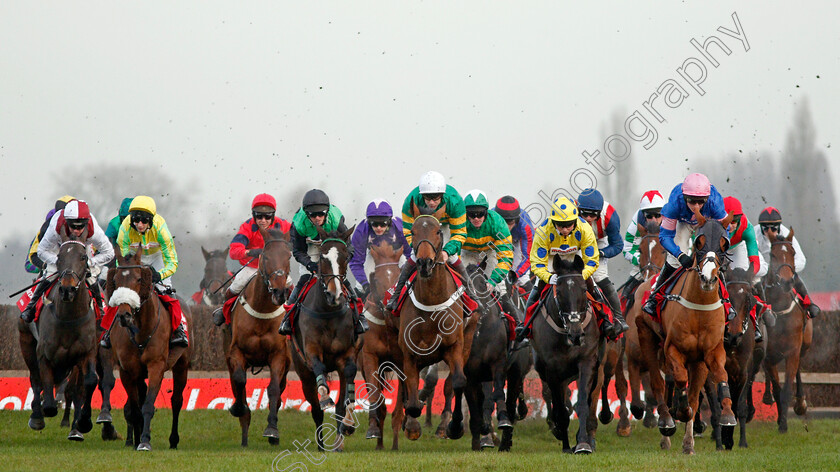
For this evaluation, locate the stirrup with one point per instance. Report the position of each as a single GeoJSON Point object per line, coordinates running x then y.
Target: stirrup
{"type": "Point", "coordinates": [218, 316]}
{"type": "Point", "coordinates": [285, 326]}
{"type": "Point", "coordinates": [106, 340]}
{"type": "Point", "coordinates": [650, 306]}
{"type": "Point", "coordinates": [179, 338]}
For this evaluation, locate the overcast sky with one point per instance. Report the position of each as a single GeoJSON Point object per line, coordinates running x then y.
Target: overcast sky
{"type": "Point", "coordinates": [360, 98]}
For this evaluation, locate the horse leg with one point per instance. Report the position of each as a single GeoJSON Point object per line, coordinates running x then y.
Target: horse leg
{"type": "Point", "coordinates": [697, 379]}
{"type": "Point", "coordinates": [73, 398]}
{"type": "Point", "coordinates": [347, 397]}
{"type": "Point", "coordinates": [397, 417]}
{"type": "Point", "coordinates": [621, 388]}
{"type": "Point", "coordinates": [739, 391]}
{"type": "Point", "coordinates": [238, 382]}
{"type": "Point", "coordinates": [716, 362]}
{"type": "Point", "coordinates": [650, 401]}
{"type": "Point", "coordinates": [650, 347]}
{"type": "Point", "coordinates": [677, 366]}
{"type": "Point", "coordinates": [446, 413]}
{"type": "Point", "coordinates": [559, 411]}
{"type": "Point", "coordinates": [320, 371]}
{"type": "Point", "coordinates": [514, 390]}
{"type": "Point", "coordinates": [770, 388]}
{"type": "Point", "coordinates": [427, 393]}
{"type": "Point", "coordinates": [279, 366]}
{"type": "Point", "coordinates": [88, 381]}
{"type": "Point", "coordinates": [413, 407]}
{"type": "Point", "coordinates": [48, 385]}
{"type": "Point", "coordinates": [105, 371]}
{"type": "Point", "coordinates": [475, 401]}
{"type": "Point", "coordinates": [487, 407]}
{"type": "Point", "coordinates": [179, 383]}
{"type": "Point", "coordinates": [454, 358]}
{"type": "Point", "coordinates": [155, 370]}
{"type": "Point", "coordinates": [800, 406]}
{"type": "Point", "coordinates": [714, 407]}
{"type": "Point", "coordinates": [310, 393]}
{"type": "Point", "coordinates": [66, 391]}
{"type": "Point", "coordinates": [373, 386]}
{"type": "Point", "coordinates": [606, 414]}
{"type": "Point", "coordinates": [587, 400]}
{"type": "Point", "coordinates": [791, 367]}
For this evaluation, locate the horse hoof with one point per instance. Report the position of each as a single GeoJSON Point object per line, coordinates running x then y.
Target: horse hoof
{"type": "Point", "coordinates": [237, 410]}
{"type": "Point", "coordinates": [637, 411]}
{"type": "Point", "coordinates": [800, 406]}
{"type": "Point", "coordinates": [521, 410]}
{"type": "Point", "coordinates": [104, 417]}
{"type": "Point", "coordinates": [144, 447]}
{"type": "Point", "coordinates": [37, 424]}
{"type": "Point", "coordinates": [505, 424]}
{"type": "Point", "coordinates": [75, 435]}
{"type": "Point", "coordinates": [413, 411]}
{"type": "Point", "coordinates": [699, 428]}
{"type": "Point", "coordinates": [346, 430]}
{"type": "Point", "coordinates": [413, 430]}
{"type": "Point", "coordinates": [65, 423]}
{"type": "Point", "coordinates": [455, 430]}
{"type": "Point", "coordinates": [109, 433]}
{"type": "Point", "coordinates": [486, 442]}
{"type": "Point", "coordinates": [605, 416]}
{"type": "Point", "coordinates": [767, 398]}
{"type": "Point", "coordinates": [373, 433]}
{"type": "Point", "coordinates": [84, 425]}
{"type": "Point", "coordinates": [583, 448]}
{"type": "Point", "coordinates": [649, 421]}
{"type": "Point", "coordinates": [728, 420]}
{"type": "Point", "coordinates": [623, 432]}
{"type": "Point", "coordinates": [50, 411]}
{"type": "Point", "coordinates": [271, 433]}
{"type": "Point", "coordinates": [665, 443]}
{"type": "Point", "coordinates": [667, 426]}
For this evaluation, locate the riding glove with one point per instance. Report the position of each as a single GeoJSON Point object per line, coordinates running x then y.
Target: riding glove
{"type": "Point", "coordinates": [685, 260]}
{"type": "Point", "coordinates": [155, 276]}
{"type": "Point", "coordinates": [254, 252]}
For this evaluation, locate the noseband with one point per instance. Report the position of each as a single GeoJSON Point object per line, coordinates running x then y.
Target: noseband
{"type": "Point", "coordinates": [65, 272]}
{"type": "Point", "coordinates": [417, 243]}
{"type": "Point", "coordinates": [267, 277]}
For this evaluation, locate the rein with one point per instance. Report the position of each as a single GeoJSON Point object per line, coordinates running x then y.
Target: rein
{"type": "Point", "coordinates": [566, 316]}
{"type": "Point", "coordinates": [133, 331]}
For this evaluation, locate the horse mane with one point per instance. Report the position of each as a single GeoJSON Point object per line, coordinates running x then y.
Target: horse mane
{"type": "Point", "coordinates": [740, 275]}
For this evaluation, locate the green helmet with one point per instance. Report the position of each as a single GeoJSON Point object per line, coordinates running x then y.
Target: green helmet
{"type": "Point", "coordinates": [476, 198]}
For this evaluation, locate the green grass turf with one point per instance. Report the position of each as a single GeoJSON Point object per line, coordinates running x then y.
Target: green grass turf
{"type": "Point", "coordinates": [210, 441]}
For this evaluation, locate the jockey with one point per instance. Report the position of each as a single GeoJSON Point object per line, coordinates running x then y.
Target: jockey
{"type": "Point", "coordinates": [770, 226]}
{"type": "Point", "coordinates": [564, 234]}
{"type": "Point", "coordinates": [248, 244]}
{"type": "Point", "coordinates": [696, 193]}
{"type": "Point", "coordinates": [379, 224]}
{"type": "Point", "coordinates": [522, 231]}
{"type": "Point", "coordinates": [113, 229]}
{"type": "Point", "coordinates": [146, 231]}
{"type": "Point", "coordinates": [434, 193]}
{"type": "Point", "coordinates": [606, 225]}
{"type": "Point", "coordinates": [33, 264]}
{"type": "Point", "coordinates": [75, 221]}
{"type": "Point", "coordinates": [315, 211]}
{"type": "Point", "coordinates": [650, 209]}
{"type": "Point", "coordinates": [488, 234]}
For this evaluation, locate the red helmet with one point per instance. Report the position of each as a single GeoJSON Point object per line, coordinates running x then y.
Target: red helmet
{"type": "Point", "coordinates": [264, 199]}
{"type": "Point", "coordinates": [732, 205]}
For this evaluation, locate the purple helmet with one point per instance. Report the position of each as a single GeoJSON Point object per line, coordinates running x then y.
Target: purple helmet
{"type": "Point", "coordinates": [379, 208]}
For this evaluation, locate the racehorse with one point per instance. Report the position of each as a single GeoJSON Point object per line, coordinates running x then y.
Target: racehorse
{"type": "Point", "coordinates": [569, 346]}
{"type": "Point", "coordinates": [216, 276]}
{"type": "Point", "coordinates": [381, 347]}
{"type": "Point", "coordinates": [692, 329]}
{"type": "Point", "coordinates": [143, 348]}
{"type": "Point", "coordinates": [433, 327]}
{"type": "Point", "coordinates": [255, 318]}
{"type": "Point", "coordinates": [324, 338]}
{"type": "Point", "coordinates": [66, 340]}
{"type": "Point", "coordinates": [791, 336]}
{"type": "Point", "coordinates": [651, 260]}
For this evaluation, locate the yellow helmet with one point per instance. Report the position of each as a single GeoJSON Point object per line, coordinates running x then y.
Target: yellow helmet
{"type": "Point", "coordinates": [563, 209]}
{"type": "Point", "coordinates": [143, 203]}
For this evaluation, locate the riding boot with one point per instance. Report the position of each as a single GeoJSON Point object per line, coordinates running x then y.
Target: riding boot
{"type": "Point", "coordinates": [629, 291]}
{"type": "Point", "coordinates": [461, 269]}
{"type": "Point", "coordinates": [359, 321]}
{"type": "Point", "coordinates": [650, 306]}
{"type": "Point", "coordinates": [97, 294]}
{"type": "Point", "coordinates": [106, 338]}
{"type": "Point", "coordinates": [810, 307]}
{"type": "Point", "coordinates": [758, 336]}
{"type": "Point", "coordinates": [286, 325]}
{"type": "Point", "coordinates": [609, 292]}
{"type": "Point", "coordinates": [218, 313]}
{"type": "Point", "coordinates": [179, 336]}
{"type": "Point", "coordinates": [609, 328]}
{"type": "Point", "coordinates": [28, 313]}
{"type": "Point", "coordinates": [523, 331]}
{"type": "Point", "coordinates": [507, 305]}
{"type": "Point", "coordinates": [407, 269]}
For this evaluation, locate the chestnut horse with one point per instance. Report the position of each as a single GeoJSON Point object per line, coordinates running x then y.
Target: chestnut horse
{"type": "Point", "coordinates": [142, 347]}
{"type": "Point", "coordinates": [381, 348]}
{"type": "Point", "coordinates": [433, 326]}
{"type": "Point", "coordinates": [790, 338]}
{"type": "Point", "coordinates": [66, 341]}
{"type": "Point", "coordinates": [255, 318]}
{"type": "Point", "coordinates": [692, 326]}
{"type": "Point", "coordinates": [324, 339]}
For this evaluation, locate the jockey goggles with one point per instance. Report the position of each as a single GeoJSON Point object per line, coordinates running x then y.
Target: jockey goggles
{"type": "Point", "coordinates": [565, 224]}
{"type": "Point", "coordinates": [476, 214]}
{"type": "Point", "coordinates": [77, 224]}
{"type": "Point", "coordinates": [138, 217]}
{"type": "Point", "coordinates": [263, 215]}
{"type": "Point", "coordinates": [380, 223]}
{"type": "Point", "coordinates": [590, 213]}
{"type": "Point", "coordinates": [652, 215]}
{"type": "Point", "coordinates": [771, 227]}
{"type": "Point", "coordinates": [692, 200]}
{"type": "Point", "coordinates": [315, 214]}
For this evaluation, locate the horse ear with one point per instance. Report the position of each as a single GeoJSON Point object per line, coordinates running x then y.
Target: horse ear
{"type": "Point", "coordinates": [110, 284]}
{"type": "Point", "coordinates": [137, 258]}
{"type": "Point", "coordinates": [415, 212]}
{"type": "Point", "coordinates": [578, 263]}
{"type": "Point", "coordinates": [700, 218]}
{"type": "Point", "coordinates": [345, 236]}
{"type": "Point", "coordinates": [751, 268]}
{"type": "Point", "coordinates": [700, 242]}
{"type": "Point", "coordinates": [146, 282]}
{"type": "Point", "coordinates": [726, 221]}
{"type": "Point", "coordinates": [321, 232]}
{"type": "Point", "coordinates": [790, 234]}
{"type": "Point", "coordinates": [642, 230]}
{"type": "Point", "coordinates": [440, 212]}
{"type": "Point", "coordinates": [205, 253]}
{"type": "Point", "coordinates": [227, 251]}
{"type": "Point", "coordinates": [264, 235]}
{"type": "Point", "coordinates": [724, 244]}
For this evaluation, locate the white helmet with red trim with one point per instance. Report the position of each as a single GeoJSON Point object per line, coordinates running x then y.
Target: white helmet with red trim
{"type": "Point", "coordinates": [651, 200]}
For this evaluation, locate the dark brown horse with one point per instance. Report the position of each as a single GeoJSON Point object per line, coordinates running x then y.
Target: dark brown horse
{"type": "Point", "coordinates": [66, 340]}
{"type": "Point", "coordinates": [433, 326]}
{"type": "Point", "coordinates": [569, 347]}
{"type": "Point", "coordinates": [216, 276]}
{"type": "Point", "coordinates": [692, 329]}
{"type": "Point", "coordinates": [324, 339]}
{"type": "Point", "coordinates": [143, 350]}
{"type": "Point", "coordinates": [381, 348]}
{"type": "Point", "coordinates": [255, 318]}
{"type": "Point", "coordinates": [790, 338]}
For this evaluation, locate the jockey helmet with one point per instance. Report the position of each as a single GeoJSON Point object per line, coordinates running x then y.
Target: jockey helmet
{"type": "Point", "coordinates": [651, 200]}
{"type": "Point", "coordinates": [476, 198]}
{"type": "Point", "coordinates": [508, 208]}
{"type": "Point", "coordinates": [590, 199]}
{"type": "Point", "coordinates": [264, 200]}
{"type": "Point", "coordinates": [62, 202]}
{"type": "Point", "coordinates": [732, 205]}
{"type": "Point", "coordinates": [379, 208]}
{"type": "Point", "coordinates": [697, 185]}
{"type": "Point", "coordinates": [315, 200]}
{"type": "Point", "coordinates": [76, 213]}
{"type": "Point", "coordinates": [144, 204]}
{"type": "Point", "coordinates": [563, 210]}
{"type": "Point", "coordinates": [770, 215]}
{"type": "Point", "coordinates": [432, 182]}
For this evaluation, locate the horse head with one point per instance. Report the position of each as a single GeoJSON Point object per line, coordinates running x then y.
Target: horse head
{"type": "Point", "coordinates": [569, 296]}
{"type": "Point", "coordinates": [479, 279]}
{"type": "Point", "coordinates": [739, 286]}
{"type": "Point", "coordinates": [386, 259]}
{"type": "Point", "coordinates": [71, 266]}
{"type": "Point", "coordinates": [128, 286]}
{"type": "Point", "coordinates": [651, 252]}
{"type": "Point", "coordinates": [273, 264]}
{"type": "Point", "coordinates": [426, 229]}
{"type": "Point", "coordinates": [782, 265]}
{"type": "Point", "coordinates": [215, 274]}
{"type": "Point", "coordinates": [710, 245]}
{"type": "Point", "coordinates": [332, 264]}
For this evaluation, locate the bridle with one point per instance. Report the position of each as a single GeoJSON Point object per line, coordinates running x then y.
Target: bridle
{"type": "Point", "coordinates": [79, 277]}
{"type": "Point", "coordinates": [417, 243]}
{"type": "Point", "coordinates": [129, 323]}
{"type": "Point", "coordinates": [570, 316]}
{"type": "Point", "coordinates": [750, 304]}
{"type": "Point", "coordinates": [650, 265]}
{"type": "Point", "coordinates": [322, 277]}
{"type": "Point", "coordinates": [268, 276]}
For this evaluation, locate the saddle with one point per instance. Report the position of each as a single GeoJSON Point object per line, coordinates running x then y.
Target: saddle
{"type": "Point", "coordinates": [664, 296]}
{"type": "Point", "coordinates": [469, 304]}
{"type": "Point", "coordinates": [171, 303]}
{"type": "Point", "coordinates": [24, 300]}
{"type": "Point", "coordinates": [602, 310]}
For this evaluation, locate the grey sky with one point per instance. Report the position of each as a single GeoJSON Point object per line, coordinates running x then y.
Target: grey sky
{"type": "Point", "coordinates": [503, 96]}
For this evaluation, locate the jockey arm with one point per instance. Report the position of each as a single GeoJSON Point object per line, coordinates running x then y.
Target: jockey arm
{"type": "Point", "coordinates": [299, 249]}
{"type": "Point", "coordinates": [539, 252]}
{"type": "Point", "coordinates": [613, 231]}
{"type": "Point", "coordinates": [525, 244]}
{"type": "Point", "coordinates": [359, 244]}
{"type": "Point", "coordinates": [631, 243]}
{"type": "Point", "coordinates": [48, 247]}
{"type": "Point", "coordinates": [103, 245]}
{"type": "Point", "coordinates": [503, 245]}
{"type": "Point", "coordinates": [457, 216]}
{"type": "Point", "coordinates": [588, 248]}
{"type": "Point", "coordinates": [398, 229]}
{"type": "Point", "coordinates": [748, 236]}
{"type": "Point", "coordinates": [167, 248]}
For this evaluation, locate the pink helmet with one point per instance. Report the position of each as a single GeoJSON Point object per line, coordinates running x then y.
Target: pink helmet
{"type": "Point", "coordinates": [697, 185]}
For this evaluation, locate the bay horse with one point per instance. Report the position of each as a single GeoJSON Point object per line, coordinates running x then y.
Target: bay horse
{"type": "Point", "coordinates": [569, 346]}
{"type": "Point", "coordinates": [66, 341]}
{"type": "Point", "coordinates": [255, 319]}
{"type": "Point", "coordinates": [143, 349]}
{"type": "Point", "coordinates": [381, 346]}
{"type": "Point", "coordinates": [651, 259]}
{"type": "Point", "coordinates": [790, 338]}
{"type": "Point", "coordinates": [691, 328]}
{"type": "Point", "coordinates": [324, 338]}
{"type": "Point", "coordinates": [433, 327]}
{"type": "Point", "coordinates": [216, 277]}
